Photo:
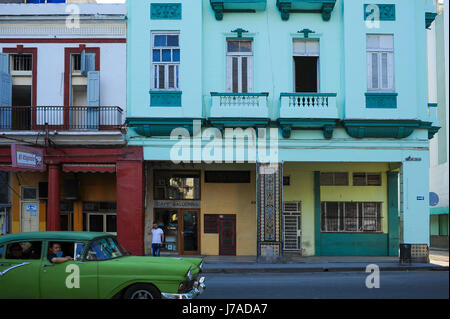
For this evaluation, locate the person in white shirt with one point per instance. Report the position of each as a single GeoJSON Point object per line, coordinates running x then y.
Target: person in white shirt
{"type": "Point", "coordinates": [157, 240]}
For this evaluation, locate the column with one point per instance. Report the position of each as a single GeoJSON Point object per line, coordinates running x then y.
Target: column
{"type": "Point", "coordinates": [269, 211]}
{"type": "Point", "coordinates": [393, 230]}
{"type": "Point", "coordinates": [416, 216]}
{"type": "Point", "coordinates": [130, 205]}
{"type": "Point", "coordinates": [53, 219]}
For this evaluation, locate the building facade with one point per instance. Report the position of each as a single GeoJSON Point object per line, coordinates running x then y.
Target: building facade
{"type": "Point", "coordinates": [439, 153]}
{"type": "Point", "coordinates": [64, 160]}
{"type": "Point", "coordinates": [282, 127]}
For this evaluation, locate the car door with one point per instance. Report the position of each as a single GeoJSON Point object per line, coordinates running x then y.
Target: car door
{"type": "Point", "coordinates": [76, 279]}
{"type": "Point", "coordinates": [19, 270]}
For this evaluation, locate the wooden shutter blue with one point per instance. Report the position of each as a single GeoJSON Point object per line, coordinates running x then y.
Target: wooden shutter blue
{"type": "Point", "coordinates": [87, 62]}
{"type": "Point", "coordinates": [5, 100]}
{"type": "Point", "coordinates": [93, 99]}
{"type": "Point", "coordinates": [4, 63]}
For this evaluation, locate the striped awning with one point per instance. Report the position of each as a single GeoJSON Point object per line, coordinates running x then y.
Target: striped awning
{"type": "Point", "coordinates": [89, 168]}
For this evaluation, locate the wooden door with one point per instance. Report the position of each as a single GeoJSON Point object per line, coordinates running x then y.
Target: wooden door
{"type": "Point", "coordinates": [189, 232]}
{"type": "Point", "coordinates": [227, 235]}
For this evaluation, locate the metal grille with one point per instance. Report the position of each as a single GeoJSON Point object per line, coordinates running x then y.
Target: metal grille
{"type": "Point", "coordinates": [292, 226]}
{"type": "Point", "coordinates": [351, 217]}
{"type": "Point", "coordinates": [22, 62]}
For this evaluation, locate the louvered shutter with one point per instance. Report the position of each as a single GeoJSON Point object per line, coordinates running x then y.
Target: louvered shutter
{"type": "Point", "coordinates": [93, 99]}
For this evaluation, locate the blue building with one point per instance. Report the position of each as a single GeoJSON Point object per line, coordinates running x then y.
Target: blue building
{"type": "Point", "coordinates": [274, 127]}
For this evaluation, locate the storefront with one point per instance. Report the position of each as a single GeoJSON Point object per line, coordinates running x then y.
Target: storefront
{"type": "Point", "coordinates": [98, 190]}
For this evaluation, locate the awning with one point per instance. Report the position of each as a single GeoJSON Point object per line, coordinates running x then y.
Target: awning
{"type": "Point", "coordinates": [89, 168]}
{"type": "Point", "coordinates": [9, 168]}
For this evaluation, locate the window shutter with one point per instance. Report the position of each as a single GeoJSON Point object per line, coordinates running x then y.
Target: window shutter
{"type": "Point", "coordinates": [87, 62]}
{"type": "Point", "coordinates": [4, 63]}
{"type": "Point", "coordinates": [375, 69]}
{"type": "Point", "coordinates": [250, 74]}
{"type": "Point", "coordinates": [83, 63]}
{"type": "Point", "coordinates": [235, 75]}
{"type": "Point", "coordinates": [244, 70]}
{"type": "Point", "coordinates": [93, 99]}
{"type": "Point", "coordinates": [390, 68]}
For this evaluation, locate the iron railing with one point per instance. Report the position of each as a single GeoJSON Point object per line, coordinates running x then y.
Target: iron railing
{"type": "Point", "coordinates": [61, 118]}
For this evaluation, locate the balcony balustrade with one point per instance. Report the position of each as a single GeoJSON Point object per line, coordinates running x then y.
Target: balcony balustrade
{"type": "Point", "coordinates": [309, 105]}
{"type": "Point", "coordinates": [239, 105]}
{"type": "Point", "coordinates": [60, 118]}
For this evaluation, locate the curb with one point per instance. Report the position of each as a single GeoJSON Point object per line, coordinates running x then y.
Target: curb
{"type": "Point", "coordinates": [318, 269]}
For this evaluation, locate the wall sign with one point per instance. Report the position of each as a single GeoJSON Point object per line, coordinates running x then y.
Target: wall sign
{"type": "Point", "coordinates": [413, 159]}
{"type": "Point", "coordinates": [177, 204]}
{"type": "Point", "coordinates": [420, 197]}
{"type": "Point", "coordinates": [27, 157]}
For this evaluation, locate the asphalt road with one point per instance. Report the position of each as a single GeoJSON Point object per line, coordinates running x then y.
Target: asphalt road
{"type": "Point", "coordinates": [327, 285]}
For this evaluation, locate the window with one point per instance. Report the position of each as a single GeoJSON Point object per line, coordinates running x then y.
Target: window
{"type": "Point", "coordinates": [306, 66]}
{"type": "Point", "coordinates": [29, 193]}
{"type": "Point", "coordinates": [24, 250]}
{"type": "Point", "coordinates": [366, 179]}
{"type": "Point", "coordinates": [100, 217]}
{"type": "Point", "coordinates": [177, 185]}
{"type": "Point", "coordinates": [105, 249]}
{"type": "Point", "coordinates": [351, 217]}
{"type": "Point", "coordinates": [211, 224]}
{"type": "Point", "coordinates": [240, 66]}
{"type": "Point", "coordinates": [72, 249]}
{"type": "Point", "coordinates": [21, 62]}
{"type": "Point", "coordinates": [4, 187]}
{"type": "Point", "coordinates": [76, 63]}
{"type": "Point", "coordinates": [334, 179]}
{"type": "Point", "coordinates": [166, 61]}
{"type": "Point", "coordinates": [5, 220]}
{"type": "Point", "coordinates": [380, 63]}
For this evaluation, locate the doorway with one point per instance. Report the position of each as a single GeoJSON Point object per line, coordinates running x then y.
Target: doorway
{"type": "Point", "coordinates": [227, 235]}
{"type": "Point", "coordinates": [181, 229]}
{"type": "Point", "coordinates": [306, 74]}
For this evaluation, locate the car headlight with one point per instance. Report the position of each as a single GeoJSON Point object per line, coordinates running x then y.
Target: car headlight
{"type": "Point", "coordinates": [189, 275]}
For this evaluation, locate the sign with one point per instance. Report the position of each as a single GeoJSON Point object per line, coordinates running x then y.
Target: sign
{"type": "Point", "coordinates": [413, 159]}
{"type": "Point", "coordinates": [27, 157]}
{"type": "Point", "coordinates": [420, 197]}
{"type": "Point", "coordinates": [178, 204]}
{"type": "Point", "coordinates": [32, 209]}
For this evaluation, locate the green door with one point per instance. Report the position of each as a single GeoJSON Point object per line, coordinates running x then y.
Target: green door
{"type": "Point", "coordinates": [70, 280]}
{"type": "Point", "coordinates": [19, 271]}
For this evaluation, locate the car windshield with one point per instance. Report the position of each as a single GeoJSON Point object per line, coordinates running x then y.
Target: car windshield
{"type": "Point", "coordinates": [105, 249]}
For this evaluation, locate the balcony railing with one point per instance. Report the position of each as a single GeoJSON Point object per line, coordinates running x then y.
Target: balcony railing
{"type": "Point", "coordinates": [34, 118]}
{"type": "Point", "coordinates": [308, 105]}
{"type": "Point", "coordinates": [250, 105]}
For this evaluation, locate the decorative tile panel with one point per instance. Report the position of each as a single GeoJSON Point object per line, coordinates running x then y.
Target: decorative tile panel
{"type": "Point", "coordinates": [165, 11]}
{"type": "Point", "coordinates": [165, 99]}
{"type": "Point", "coordinates": [381, 100]}
{"type": "Point", "coordinates": [270, 188]}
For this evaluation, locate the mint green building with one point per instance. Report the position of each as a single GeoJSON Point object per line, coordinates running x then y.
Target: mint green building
{"type": "Point", "coordinates": [439, 152]}
{"type": "Point", "coordinates": [333, 93]}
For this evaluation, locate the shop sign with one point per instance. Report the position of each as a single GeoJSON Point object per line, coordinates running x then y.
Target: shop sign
{"type": "Point", "coordinates": [27, 157]}
{"type": "Point", "coordinates": [178, 204]}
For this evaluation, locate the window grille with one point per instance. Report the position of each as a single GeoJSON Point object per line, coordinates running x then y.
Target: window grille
{"type": "Point", "coordinates": [351, 217]}
{"type": "Point", "coordinates": [22, 62]}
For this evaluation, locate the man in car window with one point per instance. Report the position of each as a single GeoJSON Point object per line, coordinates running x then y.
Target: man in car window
{"type": "Point", "coordinates": [55, 254]}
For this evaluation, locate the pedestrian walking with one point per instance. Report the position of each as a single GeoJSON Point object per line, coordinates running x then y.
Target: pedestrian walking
{"type": "Point", "coordinates": [157, 240]}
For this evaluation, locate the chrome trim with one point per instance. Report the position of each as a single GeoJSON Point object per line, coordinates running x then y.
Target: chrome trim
{"type": "Point", "coordinates": [198, 288]}
{"type": "Point", "coordinates": [2, 273]}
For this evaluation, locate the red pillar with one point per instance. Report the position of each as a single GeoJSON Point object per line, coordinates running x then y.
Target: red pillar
{"type": "Point", "coordinates": [53, 220]}
{"type": "Point", "coordinates": [130, 205]}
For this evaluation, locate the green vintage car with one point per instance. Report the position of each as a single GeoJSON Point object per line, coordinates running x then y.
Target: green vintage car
{"type": "Point", "coordinates": [101, 268]}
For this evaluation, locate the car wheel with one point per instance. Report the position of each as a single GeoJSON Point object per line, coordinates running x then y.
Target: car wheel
{"type": "Point", "coordinates": [142, 291]}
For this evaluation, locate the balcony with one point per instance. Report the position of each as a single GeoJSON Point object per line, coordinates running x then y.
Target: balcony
{"type": "Point", "coordinates": [308, 110]}
{"type": "Point", "coordinates": [246, 105]}
{"type": "Point", "coordinates": [60, 118]}
{"type": "Point", "coordinates": [324, 7]}
{"type": "Point", "coordinates": [224, 6]}
{"type": "Point", "coordinates": [309, 105]}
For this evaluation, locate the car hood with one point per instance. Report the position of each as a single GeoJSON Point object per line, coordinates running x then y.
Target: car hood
{"type": "Point", "coordinates": [174, 263]}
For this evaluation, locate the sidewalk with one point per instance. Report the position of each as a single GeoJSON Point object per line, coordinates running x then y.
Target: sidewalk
{"type": "Point", "coordinates": [439, 261]}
